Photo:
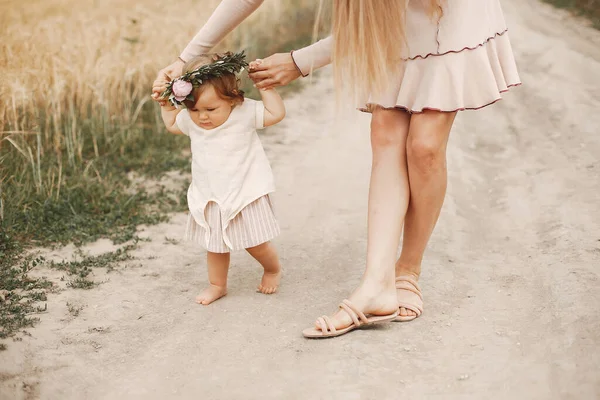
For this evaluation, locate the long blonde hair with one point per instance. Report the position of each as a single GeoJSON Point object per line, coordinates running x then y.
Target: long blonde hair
{"type": "Point", "coordinates": [369, 40]}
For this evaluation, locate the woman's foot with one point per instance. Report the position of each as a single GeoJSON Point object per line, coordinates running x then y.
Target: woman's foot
{"type": "Point", "coordinates": [404, 312]}
{"type": "Point", "coordinates": [269, 282]}
{"type": "Point", "coordinates": [370, 299]}
{"type": "Point", "coordinates": [211, 294]}
{"type": "Point", "coordinates": [412, 274]}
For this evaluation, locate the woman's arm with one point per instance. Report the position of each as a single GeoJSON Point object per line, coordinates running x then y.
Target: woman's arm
{"type": "Point", "coordinates": [313, 57]}
{"type": "Point", "coordinates": [274, 107]}
{"type": "Point", "coordinates": [169, 116]}
{"type": "Point", "coordinates": [282, 68]}
{"type": "Point", "coordinates": [228, 15]}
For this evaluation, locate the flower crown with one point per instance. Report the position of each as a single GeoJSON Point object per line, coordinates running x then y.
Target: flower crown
{"type": "Point", "coordinates": [180, 89]}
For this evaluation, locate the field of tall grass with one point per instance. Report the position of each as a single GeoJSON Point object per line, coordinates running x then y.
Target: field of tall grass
{"type": "Point", "coordinates": [76, 119]}
{"type": "Point", "coordinates": [587, 8]}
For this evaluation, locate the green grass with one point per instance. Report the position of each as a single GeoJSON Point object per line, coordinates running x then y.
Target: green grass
{"type": "Point", "coordinates": [74, 309]}
{"type": "Point", "coordinates": [587, 8]}
{"type": "Point", "coordinates": [95, 198]}
{"type": "Point", "coordinates": [20, 295]}
{"type": "Point", "coordinates": [81, 268]}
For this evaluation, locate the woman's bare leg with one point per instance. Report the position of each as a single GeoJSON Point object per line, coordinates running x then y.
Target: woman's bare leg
{"type": "Point", "coordinates": [426, 151]}
{"type": "Point", "coordinates": [388, 201]}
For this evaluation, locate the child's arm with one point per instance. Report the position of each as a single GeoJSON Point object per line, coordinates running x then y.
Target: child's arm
{"type": "Point", "coordinates": [169, 113]}
{"type": "Point", "coordinates": [274, 107]}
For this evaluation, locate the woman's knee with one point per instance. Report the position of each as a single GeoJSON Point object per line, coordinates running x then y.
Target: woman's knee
{"type": "Point", "coordinates": [426, 154]}
{"type": "Point", "coordinates": [427, 140]}
{"type": "Point", "coordinates": [388, 128]}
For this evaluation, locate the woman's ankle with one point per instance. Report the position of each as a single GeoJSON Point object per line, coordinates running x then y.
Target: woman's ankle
{"type": "Point", "coordinates": [378, 284]}
{"type": "Point", "coordinates": [414, 271]}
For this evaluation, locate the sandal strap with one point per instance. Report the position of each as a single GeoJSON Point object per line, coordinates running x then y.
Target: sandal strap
{"type": "Point", "coordinates": [413, 307]}
{"type": "Point", "coordinates": [406, 278]}
{"type": "Point", "coordinates": [351, 313]}
{"type": "Point", "coordinates": [409, 289]}
{"type": "Point", "coordinates": [360, 314]}
{"type": "Point", "coordinates": [407, 283]}
{"type": "Point", "coordinates": [322, 325]}
{"type": "Point", "coordinates": [329, 323]}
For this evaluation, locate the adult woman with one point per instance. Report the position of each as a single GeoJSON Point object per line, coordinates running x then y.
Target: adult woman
{"type": "Point", "coordinates": [420, 63]}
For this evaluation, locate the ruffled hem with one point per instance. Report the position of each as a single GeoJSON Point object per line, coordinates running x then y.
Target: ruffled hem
{"type": "Point", "coordinates": [469, 79]}
{"type": "Point", "coordinates": [456, 51]}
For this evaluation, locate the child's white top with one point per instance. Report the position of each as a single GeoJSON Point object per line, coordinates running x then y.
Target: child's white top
{"type": "Point", "coordinates": [229, 164]}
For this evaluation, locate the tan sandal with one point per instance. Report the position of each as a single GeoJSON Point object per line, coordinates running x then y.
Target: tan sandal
{"type": "Point", "coordinates": [409, 297]}
{"type": "Point", "coordinates": [358, 320]}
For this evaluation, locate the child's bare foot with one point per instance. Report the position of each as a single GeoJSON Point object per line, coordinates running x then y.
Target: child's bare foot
{"type": "Point", "coordinates": [266, 255]}
{"type": "Point", "coordinates": [269, 282]}
{"type": "Point", "coordinates": [211, 294]}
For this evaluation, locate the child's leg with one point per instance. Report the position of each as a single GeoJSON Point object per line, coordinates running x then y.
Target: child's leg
{"type": "Point", "coordinates": [218, 265]}
{"type": "Point", "coordinates": [267, 256]}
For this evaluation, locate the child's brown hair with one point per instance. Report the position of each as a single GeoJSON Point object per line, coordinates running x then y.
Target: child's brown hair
{"type": "Point", "coordinates": [226, 85]}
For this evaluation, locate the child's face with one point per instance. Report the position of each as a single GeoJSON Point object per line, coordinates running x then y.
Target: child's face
{"type": "Point", "coordinates": [210, 110]}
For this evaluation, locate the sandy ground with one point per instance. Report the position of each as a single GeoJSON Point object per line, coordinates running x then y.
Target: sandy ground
{"type": "Point", "coordinates": [511, 277]}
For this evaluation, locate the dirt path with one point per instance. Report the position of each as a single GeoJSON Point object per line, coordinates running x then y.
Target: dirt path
{"type": "Point", "coordinates": [511, 277]}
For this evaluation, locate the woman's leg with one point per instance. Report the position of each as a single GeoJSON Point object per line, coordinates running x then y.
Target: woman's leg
{"type": "Point", "coordinates": [388, 201]}
{"type": "Point", "coordinates": [267, 256]}
{"type": "Point", "coordinates": [426, 151]}
{"type": "Point", "coordinates": [218, 266]}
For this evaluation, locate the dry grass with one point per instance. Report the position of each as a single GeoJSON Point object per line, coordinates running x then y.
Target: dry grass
{"type": "Point", "coordinates": [65, 63]}
{"type": "Point", "coordinates": [62, 57]}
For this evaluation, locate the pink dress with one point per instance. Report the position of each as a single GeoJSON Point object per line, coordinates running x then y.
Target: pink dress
{"type": "Point", "coordinates": [461, 61]}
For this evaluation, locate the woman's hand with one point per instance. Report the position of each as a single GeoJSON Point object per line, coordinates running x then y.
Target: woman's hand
{"type": "Point", "coordinates": [276, 70]}
{"type": "Point", "coordinates": [164, 76]}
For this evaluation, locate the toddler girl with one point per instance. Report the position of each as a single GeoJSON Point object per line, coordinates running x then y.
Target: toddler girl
{"type": "Point", "coordinates": [228, 198]}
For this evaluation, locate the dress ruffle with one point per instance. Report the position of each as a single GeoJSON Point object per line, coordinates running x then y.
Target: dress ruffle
{"type": "Point", "coordinates": [469, 78]}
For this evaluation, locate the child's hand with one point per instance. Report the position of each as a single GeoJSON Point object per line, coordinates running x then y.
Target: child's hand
{"type": "Point", "coordinates": [252, 68]}
{"type": "Point", "coordinates": [158, 87]}
{"type": "Point", "coordinates": [165, 75]}
{"type": "Point", "coordinates": [254, 65]}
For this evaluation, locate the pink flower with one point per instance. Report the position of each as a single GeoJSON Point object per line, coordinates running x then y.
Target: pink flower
{"type": "Point", "coordinates": [181, 89]}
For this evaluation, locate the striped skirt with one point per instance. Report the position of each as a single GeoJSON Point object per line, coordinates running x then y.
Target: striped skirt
{"type": "Point", "coordinates": [254, 225]}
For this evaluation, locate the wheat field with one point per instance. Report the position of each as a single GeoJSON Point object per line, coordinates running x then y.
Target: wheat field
{"type": "Point", "coordinates": [75, 86]}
